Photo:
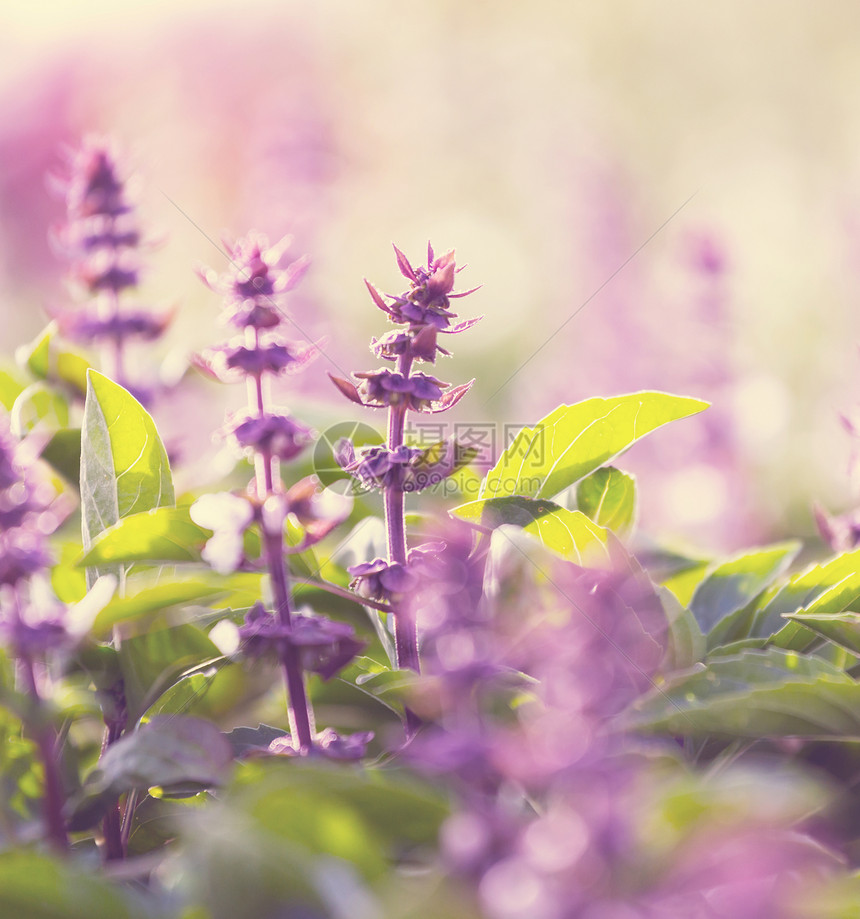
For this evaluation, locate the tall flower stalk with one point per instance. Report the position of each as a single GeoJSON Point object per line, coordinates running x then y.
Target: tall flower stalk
{"type": "Point", "coordinates": [102, 239]}
{"type": "Point", "coordinates": [270, 435]}
{"type": "Point", "coordinates": [422, 312]}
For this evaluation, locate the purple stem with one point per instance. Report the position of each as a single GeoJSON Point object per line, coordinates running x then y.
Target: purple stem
{"type": "Point", "coordinates": [405, 630]}
{"type": "Point", "coordinates": [298, 709]}
{"type": "Point", "coordinates": [112, 822]}
{"type": "Point", "coordinates": [46, 740]}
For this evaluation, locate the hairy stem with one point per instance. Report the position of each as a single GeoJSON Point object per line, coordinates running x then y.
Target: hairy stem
{"type": "Point", "coordinates": [46, 740]}
{"type": "Point", "coordinates": [298, 708]}
{"type": "Point", "coordinates": [405, 630]}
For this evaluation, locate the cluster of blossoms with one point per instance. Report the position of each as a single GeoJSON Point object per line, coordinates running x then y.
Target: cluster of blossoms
{"type": "Point", "coordinates": [423, 311]}
{"type": "Point", "coordinates": [302, 643]}
{"type": "Point", "coordinates": [102, 240]}
{"type": "Point", "coordinates": [32, 622]}
{"type": "Point", "coordinates": [555, 801]}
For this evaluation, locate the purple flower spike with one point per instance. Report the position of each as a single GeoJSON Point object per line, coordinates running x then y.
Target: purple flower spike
{"type": "Point", "coordinates": [381, 580]}
{"type": "Point", "coordinates": [326, 646]}
{"type": "Point", "coordinates": [385, 387]}
{"type": "Point", "coordinates": [253, 282]}
{"type": "Point", "coordinates": [276, 435]}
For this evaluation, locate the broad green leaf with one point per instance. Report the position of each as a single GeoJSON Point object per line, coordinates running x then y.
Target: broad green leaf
{"type": "Point", "coordinates": [47, 359]}
{"type": "Point", "coordinates": [570, 534]}
{"type": "Point", "coordinates": [389, 687]}
{"type": "Point", "coordinates": [167, 534]}
{"type": "Point", "coordinates": [686, 643]}
{"type": "Point", "coordinates": [124, 466]}
{"type": "Point", "coordinates": [207, 695]}
{"type": "Point", "coordinates": [12, 383]}
{"type": "Point", "coordinates": [34, 886]}
{"type": "Point", "coordinates": [732, 586]}
{"type": "Point", "coordinates": [756, 694]}
{"type": "Point", "coordinates": [150, 600]}
{"type": "Point", "coordinates": [41, 405]}
{"type": "Point", "coordinates": [63, 453]}
{"type": "Point", "coordinates": [608, 497]}
{"type": "Point", "coordinates": [842, 629]}
{"type": "Point", "coordinates": [683, 583]}
{"type": "Point", "coordinates": [574, 440]}
{"type": "Point", "coordinates": [168, 750]}
{"type": "Point", "coordinates": [153, 662]}
{"type": "Point", "coordinates": [827, 588]}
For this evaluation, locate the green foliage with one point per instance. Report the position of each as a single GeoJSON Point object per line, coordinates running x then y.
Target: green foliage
{"type": "Point", "coordinates": [571, 534]}
{"type": "Point", "coordinates": [608, 497]}
{"type": "Point", "coordinates": [770, 693]}
{"type": "Point", "coordinates": [574, 440]}
{"type": "Point", "coordinates": [124, 466]}
{"type": "Point", "coordinates": [153, 662]}
{"type": "Point", "coordinates": [166, 534]}
{"type": "Point", "coordinates": [34, 886]}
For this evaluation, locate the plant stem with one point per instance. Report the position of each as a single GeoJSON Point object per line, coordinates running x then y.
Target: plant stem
{"type": "Point", "coordinates": [405, 630]}
{"type": "Point", "coordinates": [298, 709]}
{"type": "Point", "coordinates": [112, 823]}
{"type": "Point", "coordinates": [45, 736]}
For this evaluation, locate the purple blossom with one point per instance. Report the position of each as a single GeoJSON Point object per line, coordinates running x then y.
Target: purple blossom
{"type": "Point", "coordinates": [410, 469]}
{"type": "Point", "coordinates": [130, 323]}
{"type": "Point", "coordinates": [325, 646]}
{"type": "Point", "coordinates": [381, 580]}
{"type": "Point", "coordinates": [274, 434]}
{"type": "Point", "coordinates": [427, 302]}
{"type": "Point", "coordinates": [387, 388]}
{"type": "Point", "coordinates": [235, 359]}
{"type": "Point", "coordinates": [253, 282]}
{"type": "Point", "coordinates": [328, 743]}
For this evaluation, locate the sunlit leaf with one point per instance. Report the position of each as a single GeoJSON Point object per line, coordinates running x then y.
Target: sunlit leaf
{"type": "Point", "coordinates": [124, 466]}
{"type": "Point", "coordinates": [608, 497]}
{"type": "Point", "coordinates": [570, 534]}
{"type": "Point", "coordinates": [574, 440]}
{"type": "Point", "coordinates": [772, 693]}
{"type": "Point", "coordinates": [167, 534]}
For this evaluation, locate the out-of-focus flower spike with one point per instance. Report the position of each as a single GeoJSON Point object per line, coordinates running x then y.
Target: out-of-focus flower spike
{"type": "Point", "coordinates": [405, 267]}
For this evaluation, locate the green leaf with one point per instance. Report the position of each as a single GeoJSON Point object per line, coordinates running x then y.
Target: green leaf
{"type": "Point", "coordinates": [574, 440]}
{"type": "Point", "coordinates": [842, 629]}
{"type": "Point", "coordinates": [150, 600]}
{"type": "Point", "coordinates": [608, 497]}
{"type": "Point", "coordinates": [827, 588]}
{"type": "Point", "coordinates": [570, 534]}
{"type": "Point", "coordinates": [167, 534]}
{"type": "Point", "coordinates": [38, 404]}
{"type": "Point", "coordinates": [153, 662]}
{"type": "Point", "coordinates": [686, 643]}
{"type": "Point", "coordinates": [756, 694]}
{"type": "Point", "coordinates": [63, 453]}
{"type": "Point", "coordinates": [48, 360]}
{"type": "Point", "coordinates": [207, 695]}
{"type": "Point", "coordinates": [34, 886]}
{"type": "Point", "coordinates": [12, 383]}
{"type": "Point", "coordinates": [167, 751]}
{"type": "Point", "coordinates": [124, 466]}
{"type": "Point", "coordinates": [389, 687]}
{"type": "Point", "coordinates": [732, 586]}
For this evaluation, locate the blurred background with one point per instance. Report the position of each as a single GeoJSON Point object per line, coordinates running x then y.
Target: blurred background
{"type": "Point", "coordinates": [660, 195]}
